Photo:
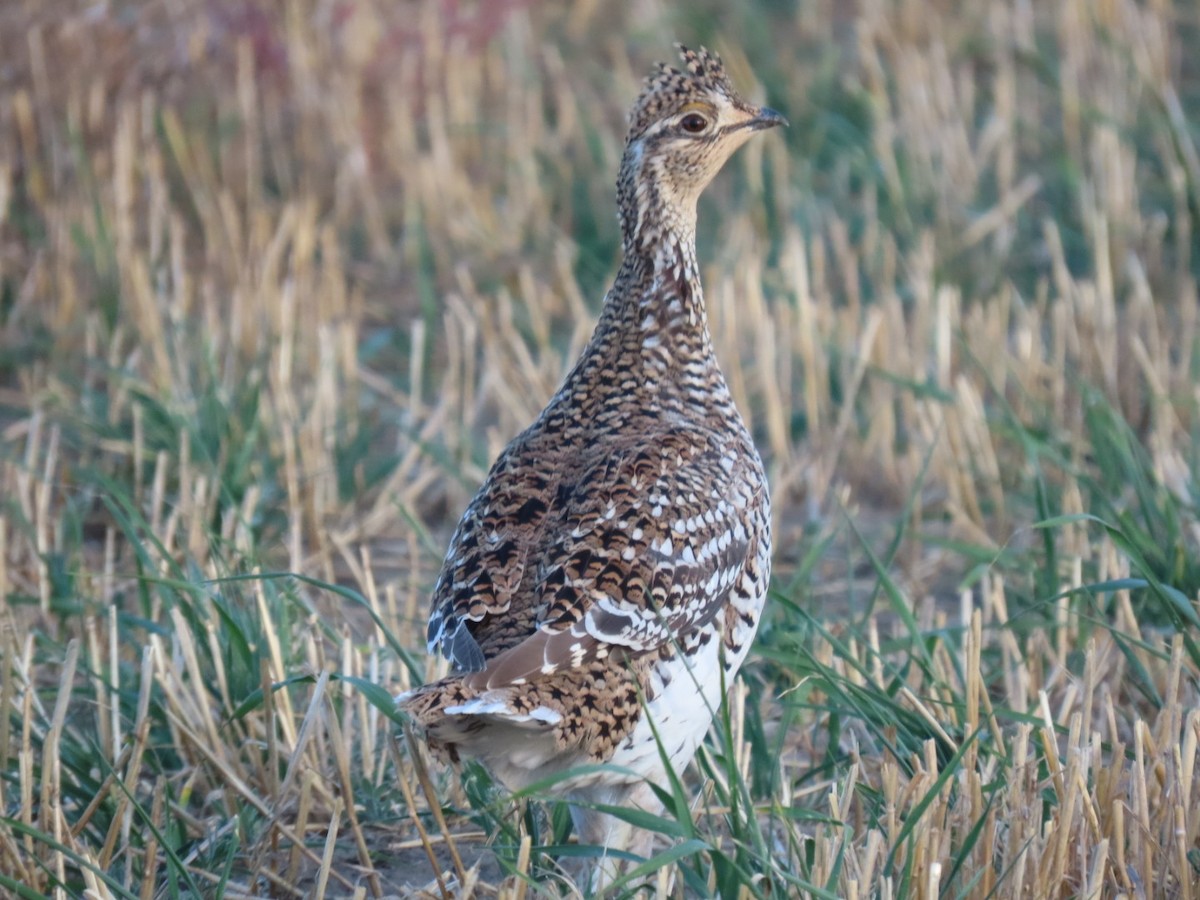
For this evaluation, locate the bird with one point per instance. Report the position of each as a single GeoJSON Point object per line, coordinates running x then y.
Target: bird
{"type": "Point", "coordinates": [605, 583]}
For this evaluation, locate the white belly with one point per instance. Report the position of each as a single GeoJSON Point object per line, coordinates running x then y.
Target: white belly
{"type": "Point", "coordinates": [682, 702]}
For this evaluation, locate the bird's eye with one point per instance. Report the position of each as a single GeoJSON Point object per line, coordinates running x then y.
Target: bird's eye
{"type": "Point", "coordinates": [694, 123]}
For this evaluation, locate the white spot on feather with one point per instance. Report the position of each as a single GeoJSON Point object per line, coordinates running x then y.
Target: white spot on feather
{"type": "Point", "coordinates": [479, 706]}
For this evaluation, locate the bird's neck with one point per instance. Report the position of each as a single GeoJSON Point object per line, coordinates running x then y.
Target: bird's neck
{"type": "Point", "coordinates": [653, 331]}
{"type": "Point", "coordinates": [658, 287]}
{"type": "Point", "coordinates": [658, 293]}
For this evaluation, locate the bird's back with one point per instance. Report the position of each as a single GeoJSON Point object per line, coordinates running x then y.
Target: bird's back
{"type": "Point", "coordinates": [610, 542]}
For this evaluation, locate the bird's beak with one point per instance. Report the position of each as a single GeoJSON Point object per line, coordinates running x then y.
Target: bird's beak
{"type": "Point", "coordinates": [765, 118]}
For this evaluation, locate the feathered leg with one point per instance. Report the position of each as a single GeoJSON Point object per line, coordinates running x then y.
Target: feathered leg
{"type": "Point", "coordinates": [600, 829]}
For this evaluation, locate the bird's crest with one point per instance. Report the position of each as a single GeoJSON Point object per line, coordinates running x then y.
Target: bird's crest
{"type": "Point", "coordinates": [670, 89]}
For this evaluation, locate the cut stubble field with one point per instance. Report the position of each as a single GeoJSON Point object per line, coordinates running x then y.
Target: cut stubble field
{"type": "Point", "coordinates": [277, 283]}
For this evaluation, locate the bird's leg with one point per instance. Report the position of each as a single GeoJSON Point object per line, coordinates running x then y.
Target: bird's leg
{"type": "Point", "coordinates": [600, 829]}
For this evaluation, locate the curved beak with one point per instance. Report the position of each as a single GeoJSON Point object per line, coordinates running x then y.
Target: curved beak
{"type": "Point", "coordinates": [766, 118]}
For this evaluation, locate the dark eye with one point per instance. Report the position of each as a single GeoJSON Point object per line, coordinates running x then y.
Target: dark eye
{"type": "Point", "coordinates": [694, 123]}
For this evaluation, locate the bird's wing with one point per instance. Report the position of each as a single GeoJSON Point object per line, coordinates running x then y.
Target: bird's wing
{"type": "Point", "coordinates": [648, 545]}
{"type": "Point", "coordinates": [613, 554]}
{"type": "Point", "coordinates": [485, 563]}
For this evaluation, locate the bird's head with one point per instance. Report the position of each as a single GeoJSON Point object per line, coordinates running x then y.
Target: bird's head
{"type": "Point", "coordinates": [682, 129]}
